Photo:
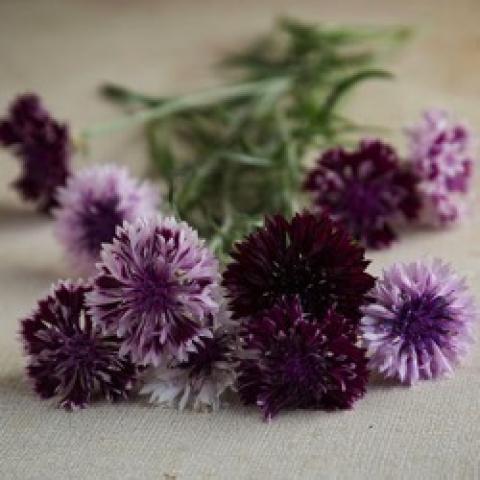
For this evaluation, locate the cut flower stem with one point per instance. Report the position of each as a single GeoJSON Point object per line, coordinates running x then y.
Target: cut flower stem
{"type": "Point", "coordinates": [183, 103]}
{"type": "Point", "coordinates": [229, 155]}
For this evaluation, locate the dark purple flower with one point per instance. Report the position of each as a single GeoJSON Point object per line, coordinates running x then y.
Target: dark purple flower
{"type": "Point", "coordinates": [309, 257]}
{"type": "Point", "coordinates": [291, 360]}
{"type": "Point", "coordinates": [43, 147]}
{"type": "Point", "coordinates": [92, 205]}
{"type": "Point", "coordinates": [68, 356]}
{"type": "Point", "coordinates": [418, 323]}
{"type": "Point", "coordinates": [366, 190]}
{"type": "Point", "coordinates": [156, 285]}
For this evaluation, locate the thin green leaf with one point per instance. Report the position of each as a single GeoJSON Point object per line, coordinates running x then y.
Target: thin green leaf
{"type": "Point", "coordinates": [233, 153]}
{"type": "Point", "coordinates": [127, 97]}
{"type": "Point", "coordinates": [246, 159]}
{"type": "Point", "coordinates": [346, 84]}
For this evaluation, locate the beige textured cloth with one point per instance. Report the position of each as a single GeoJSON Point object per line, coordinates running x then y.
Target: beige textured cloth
{"type": "Point", "coordinates": [63, 50]}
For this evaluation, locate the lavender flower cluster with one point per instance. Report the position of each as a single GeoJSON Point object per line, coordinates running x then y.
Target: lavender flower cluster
{"type": "Point", "coordinates": [371, 192]}
{"type": "Point", "coordinates": [294, 320]}
{"type": "Point", "coordinates": [300, 324]}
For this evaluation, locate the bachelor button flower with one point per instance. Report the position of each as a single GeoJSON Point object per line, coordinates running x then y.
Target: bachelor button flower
{"type": "Point", "coordinates": [200, 381]}
{"type": "Point", "coordinates": [68, 356]}
{"type": "Point", "coordinates": [366, 190]}
{"type": "Point", "coordinates": [417, 324]}
{"type": "Point", "coordinates": [43, 147]}
{"type": "Point", "coordinates": [441, 154]}
{"type": "Point", "coordinates": [309, 256]}
{"type": "Point", "coordinates": [92, 205]}
{"type": "Point", "coordinates": [289, 360]}
{"type": "Point", "coordinates": [156, 284]}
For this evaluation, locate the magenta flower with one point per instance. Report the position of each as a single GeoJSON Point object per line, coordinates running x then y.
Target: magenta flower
{"type": "Point", "coordinates": [417, 324]}
{"type": "Point", "coordinates": [291, 360]}
{"type": "Point", "coordinates": [68, 356]}
{"type": "Point", "coordinates": [309, 257]}
{"type": "Point", "coordinates": [157, 283]}
{"type": "Point", "coordinates": [92, 205]}
{"type": "Point", "coordinates": [368, 191]}
{"type": "Point", "coordinates": [441, 153]}
{"type": "Point", "coordinates": [201, 381]}
{"type": "Point", "coordinates": [43, 147]}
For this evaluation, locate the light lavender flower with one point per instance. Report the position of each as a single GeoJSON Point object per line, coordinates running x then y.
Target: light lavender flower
{"type": "Point", "coordinates": [92, 205]}
{"type": "Point", "coordinates": [157, 283]}
{"type": "Point", "coordinates": [199, 382]}
{"type": "Point", "coordinates": [442, 157]}
{"type": "Point", "coordinates": [418, 324]}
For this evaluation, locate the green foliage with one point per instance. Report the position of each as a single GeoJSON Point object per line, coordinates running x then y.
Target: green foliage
{"type": "Point", "coordinates": [230, 155]}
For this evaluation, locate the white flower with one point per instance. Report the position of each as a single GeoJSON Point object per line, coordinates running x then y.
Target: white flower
{"type": "Point", "coordinates": [200, 382]}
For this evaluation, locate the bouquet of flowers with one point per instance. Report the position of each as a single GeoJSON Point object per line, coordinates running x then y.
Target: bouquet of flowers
{"type": "Point", "coordinates": [239, 265]}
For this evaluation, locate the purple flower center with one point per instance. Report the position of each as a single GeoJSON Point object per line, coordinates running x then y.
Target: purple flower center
{"type": "Point", "coordinates": [213, 350]}
{"type": "Point", "coordinates": [80, 351]}
{"type": "Point", "coordinates": [423, 317]}
{"type": "Point", "coordinates": [313, 286]}
{"type": "Point", "coordinates": [364, 200]}
{"type": "Point", "coordinates": [157, 291]}
{"type": "Point", "coordinates": [100, 223]}
{"type": "Point", "coordinates": [296, 371]}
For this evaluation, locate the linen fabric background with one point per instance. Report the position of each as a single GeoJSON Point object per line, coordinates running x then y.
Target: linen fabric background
{"type": "Point", "coordinates": [64, 50]}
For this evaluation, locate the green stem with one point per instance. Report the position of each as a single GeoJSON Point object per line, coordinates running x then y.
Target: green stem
{"type": "Point", "coordinates": [187, 102]}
